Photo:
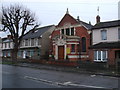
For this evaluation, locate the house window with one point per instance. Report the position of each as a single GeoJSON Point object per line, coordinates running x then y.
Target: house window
{"type": "Point", "coordinates": [39, 41]}
{"type": "Point", "coordinates": [31, 53]}
{"type": "Point", "coordinates": [72, 31]}
{"type": "Point", "coordinates": [67, 31]}
{"type": "Point", "coordinates": [4, 54]}
{"type": "Point", "coordinates": [32, 42]}
{"type": "Point", "coordinates": [26, 42]}
{"type": "Point", "coordinates": [83, 44]}
{"type": "Point", "coordinates": [35, 41]}
{"type": "Point", "coordinates": [119, 33]}
{"type": "Point", "coordinates": [95, 55]}
{"type": "Point", "coordinates": [62, 31]}
{"type": "Point", "coordinates": [9, 44]}
{"type": "Point", "coordinates": [104, 55]}
{"type": "Point", "coordinates": [22, 44]}
{"type": "Point", "coordinates": [5, 45]}
{"type": "Point", "coordinates": [72, 47]}
{"type": "Point", "coordinates": [8, 53]}
{"type": "Point", "coordinates": [104, 34]}
{"type": "Point", "coordinates": [19, 53]}
{"type": "Point", "coordinates": [100, 55]}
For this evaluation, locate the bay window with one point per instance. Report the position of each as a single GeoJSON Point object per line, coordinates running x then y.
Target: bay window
{"type": "Point", "coordinates": [100, 56]}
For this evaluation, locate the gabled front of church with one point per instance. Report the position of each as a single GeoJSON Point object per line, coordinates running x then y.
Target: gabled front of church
{"type": "Point", "coordinates": [70, 39]}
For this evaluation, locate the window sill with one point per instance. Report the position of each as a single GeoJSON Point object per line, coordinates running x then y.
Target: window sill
{"type": "Point", "coordinates": [83, 52]}
{"type": "Point", "coordinates": [73, 53]}
{"type": "Point", "coordinates": [100, 61]}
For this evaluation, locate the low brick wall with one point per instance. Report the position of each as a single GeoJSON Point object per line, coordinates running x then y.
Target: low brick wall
{"type": "Point", "coordinates": [88, 65]}
{"type": "Point", "coordinates": [81, 64]}
{"type": "Point", "coordinates": [64, 63]}
{"type": "Point", "coordinates": [92, 65]}
{"type": "Point", "coordinates": [60, 63]}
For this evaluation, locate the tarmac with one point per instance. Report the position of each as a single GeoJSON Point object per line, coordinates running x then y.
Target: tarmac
{"type": "Point", "coordinates": [69, 69]}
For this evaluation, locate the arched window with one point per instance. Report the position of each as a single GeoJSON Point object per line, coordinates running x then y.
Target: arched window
{"type": "Point", "coordinates": [83, 44]}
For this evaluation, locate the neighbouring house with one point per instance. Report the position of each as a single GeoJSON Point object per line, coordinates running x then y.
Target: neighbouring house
{"type": "Point", "coordinates": [36, 43]}
{"type": "Point", "coordinates": [106, 42]}
{"type": "Point", "coordinates": [70, 39]}
{"type": "Point", "coordinates": [7, 46]}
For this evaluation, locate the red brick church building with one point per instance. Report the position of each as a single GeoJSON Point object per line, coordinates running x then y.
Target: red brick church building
{"type": "Point", "coordinates": [70, 39]}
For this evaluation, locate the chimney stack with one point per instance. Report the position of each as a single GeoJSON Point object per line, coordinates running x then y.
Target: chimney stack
{"type": "Point", "coordinates": [78, 18]}
{"type": "Point", "coordinates": [97, 19]}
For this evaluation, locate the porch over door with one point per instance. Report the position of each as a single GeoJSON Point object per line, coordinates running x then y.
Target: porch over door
{"type": "Point", "coordinates": [60, 52]}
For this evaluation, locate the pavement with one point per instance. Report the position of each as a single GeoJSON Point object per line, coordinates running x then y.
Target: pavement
{"type": "Point", "coordinates": [69, 69]}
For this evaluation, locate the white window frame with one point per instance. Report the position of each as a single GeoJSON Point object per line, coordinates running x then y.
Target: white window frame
{"type": "Point", "coordinates": [32, 41]}
{"type": "Point", "coordinates": [101, 54]}
{"type": "Point", "coordinates": [103, 34]}
{"type": "Point", "coordinates": [26, 42]}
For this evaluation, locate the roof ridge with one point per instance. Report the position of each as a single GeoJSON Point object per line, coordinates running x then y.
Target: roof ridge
{"type": "Point", "coordinates": [44, 26]}
{"type": "Point", "coordinates": [110, 21]}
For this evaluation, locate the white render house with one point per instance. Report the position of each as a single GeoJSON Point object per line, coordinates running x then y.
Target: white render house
{"type": "Point", "coordinates": [106, 42]}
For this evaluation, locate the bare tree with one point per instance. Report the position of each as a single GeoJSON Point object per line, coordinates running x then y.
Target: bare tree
{"type": "Point", "coordinates": [18, 21]}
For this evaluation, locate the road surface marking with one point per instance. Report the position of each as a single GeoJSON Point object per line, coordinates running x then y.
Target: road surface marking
{"type": "Point", "coordinates": [64, 83]}
{"type": "Point", "coordinates": [43, 80]}
{"type": "Point", "coordinates": [87, 86]}
{"type": "Point", "coordinates": [67, 83]}
{"type": "Point", "coordinates": [92, 75]}
{"type": "Point", "coordinates": [110, 77]}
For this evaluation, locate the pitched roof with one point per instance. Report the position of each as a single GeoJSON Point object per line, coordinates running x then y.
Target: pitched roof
{"type": "Point", "coordinates": [37, 33]}
{"type": "Point", "coordinates": [68, 18]}
{"type": "Point", "coordinates": [105, 45]}
{"type": "Point", "coordinates": [106, 24]}
{"type": "Point", "coordinates": [88, 26]}
{"type": "Point", "coordinates": [5, 40]}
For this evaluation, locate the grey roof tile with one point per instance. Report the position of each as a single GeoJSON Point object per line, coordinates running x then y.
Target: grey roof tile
{"type": "Point", "coordinates": [106, 45]}
{"type": "Point", "coordinates": [89, 26]}
{"type": "Point", "coordinates": [37, 33]}
{"type": "Point", "coordinates": [106, 24]}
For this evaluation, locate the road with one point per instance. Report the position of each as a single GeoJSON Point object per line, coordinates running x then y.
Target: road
{"type": "Point", "coordinates": [23, 77]}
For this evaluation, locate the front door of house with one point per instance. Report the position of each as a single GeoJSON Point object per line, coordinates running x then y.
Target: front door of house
{"type": "Point", "coordinates": [60, 52]}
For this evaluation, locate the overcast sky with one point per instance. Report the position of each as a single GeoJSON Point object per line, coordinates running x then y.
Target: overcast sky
{"type": "Point", "coordinates": [51, 11]}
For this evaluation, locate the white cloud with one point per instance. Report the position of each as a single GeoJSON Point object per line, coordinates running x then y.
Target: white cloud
{"type": "Point", "coordinates": [64, 1]}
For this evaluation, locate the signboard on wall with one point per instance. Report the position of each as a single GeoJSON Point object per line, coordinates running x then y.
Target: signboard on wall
{"type": "Point", "coordinates": [68, 50]}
